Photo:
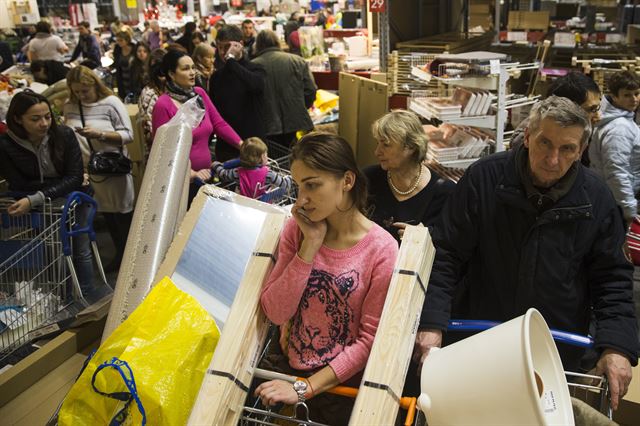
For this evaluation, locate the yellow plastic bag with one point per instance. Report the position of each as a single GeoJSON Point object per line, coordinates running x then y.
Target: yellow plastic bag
{"type": "Point", "coordinates": [165, 346]}
{"type": "Point", "coordinates": [325, 100]}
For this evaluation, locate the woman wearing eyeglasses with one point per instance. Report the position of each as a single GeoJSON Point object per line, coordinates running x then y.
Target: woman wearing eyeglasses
{"type": "Point", "coordinates": [580, 89]}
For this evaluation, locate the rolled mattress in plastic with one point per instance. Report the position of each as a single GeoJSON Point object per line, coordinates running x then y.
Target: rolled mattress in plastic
{"type": "Point", "coordinates": [158, 213]}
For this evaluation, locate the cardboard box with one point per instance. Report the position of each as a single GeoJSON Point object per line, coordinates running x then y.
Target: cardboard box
{"type": "Point", "coordinates": [524, 20]}
{"type": "Point", "coordinates": [479, 9]}
{"type": "Point", "coordinates": [483, 20]}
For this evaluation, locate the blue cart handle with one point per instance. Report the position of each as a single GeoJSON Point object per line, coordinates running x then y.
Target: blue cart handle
{"type": "Point", "coordinates": [79, 198]}
{"type": "Point", "coordinates": [558, 335]}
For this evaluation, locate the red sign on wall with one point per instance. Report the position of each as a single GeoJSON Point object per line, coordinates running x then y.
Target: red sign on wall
{"type": "Point", "coordinates": [378, 6]}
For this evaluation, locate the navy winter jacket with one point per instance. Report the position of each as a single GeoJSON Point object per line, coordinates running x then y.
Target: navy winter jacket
{"type": "Point", "coordinates": [499, 256]}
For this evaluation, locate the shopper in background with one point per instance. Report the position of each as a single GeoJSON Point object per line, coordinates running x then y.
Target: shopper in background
{"type": "Point", "coordinates": [42, 159]}
{"type": "Point", "coordinates": [615, 147]}
{"type": "Point", "coordinates": [115, 27]}
{"type": "Point", "coordinates": [237, 89]}
{"type": "Point", "coordinates": [145, 33]}
{"type": "Point", "coordinates": [204, 26]}
{"type": "Point", "coordinates": [87, 46]}
{"type": "Point", "coordinates": [48, 72]}
{"type": "Point", "coordinates": [580, 89]}
{"type": "Point", "coordinates": [53, 74]}
{"type": "Point", "coordinates": [248, 37]}
{"type": "Point", "coordinates": [96, 114]}
{"type": "Point", "coordinates": [140, 69]}
{"type": "Point", "coordinates": [166, 39]}
{"type": "Point", "coordinates": [402, 190]}
{"type": "Point", "coordinates": [533, 227]}
{"type": "Point", "coordinates": [296, 20]}
{"type": "Point", "coordinates": [150, 94]}
{"type": "Point", "coordinates": [179, 71]}
{"type": "Point", "coordinates": [289, 90]}
{"type": "Point", "coordinates": [203, 57]}
{"type": "Point", "coordinates": [186, 40]}
{"type": "Point", "coordinates": [45, 45]}
{"type": "Point", "coordinates": [154, 35]}
{"type": "Point", "coordinates": [329, 283]}
{"type": "Point", "coordinates": [197, 39]}
{"type": "Point", "coordinates": [123, 56]}
{"type": "Point", "coordinates": [6, 57]}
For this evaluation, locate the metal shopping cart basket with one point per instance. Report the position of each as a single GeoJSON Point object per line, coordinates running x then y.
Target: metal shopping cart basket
{"type": "Point", "coordinates": [272, 194]}
{"type": "Point", "coordinates": [37, 276]}
{"type": "Point", "coordinates": [256, 414]}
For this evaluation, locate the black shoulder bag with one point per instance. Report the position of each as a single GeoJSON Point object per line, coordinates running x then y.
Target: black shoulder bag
{"type": "Point", "coordinates": [105, 163]}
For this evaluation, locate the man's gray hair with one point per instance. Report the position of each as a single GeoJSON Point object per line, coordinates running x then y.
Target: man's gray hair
{"type": "Point", "coordinates": [563, 111]}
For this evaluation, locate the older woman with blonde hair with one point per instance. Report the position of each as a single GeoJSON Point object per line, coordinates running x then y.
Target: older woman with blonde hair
{"type": "Point", "coordinates": [402, 190]}
{"type": "Point", "coordinates": [102, 124]}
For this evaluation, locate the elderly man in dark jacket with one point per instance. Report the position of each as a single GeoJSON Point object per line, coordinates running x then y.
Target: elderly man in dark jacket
{"type": "Point", "coordinates": [289, 91]}
{"type": "Point", "coordinates": [532, 227]}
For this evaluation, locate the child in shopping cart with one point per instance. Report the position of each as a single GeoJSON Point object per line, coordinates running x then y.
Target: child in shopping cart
{"type": "Point", "coordinates": [329, 283]}
{"type": "Point", "coordinates": [253, 176]}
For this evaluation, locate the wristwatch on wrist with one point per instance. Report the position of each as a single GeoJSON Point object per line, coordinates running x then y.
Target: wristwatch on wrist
{"type": "Point", "coordinates": [300, 386]}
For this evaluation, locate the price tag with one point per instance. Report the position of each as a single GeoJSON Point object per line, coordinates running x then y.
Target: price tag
{"type": "Point", "coordinates": [564, 39]}
{"type": "Point", "coordinates": [377, 6]}
{"type": "Point", "coordinates": [494, 66]}
{"type": "Point", "coordinates": [517, 36]}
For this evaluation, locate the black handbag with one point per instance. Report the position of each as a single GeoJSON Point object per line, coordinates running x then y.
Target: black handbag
{"type": "Point", "coordinates": [106, 163]}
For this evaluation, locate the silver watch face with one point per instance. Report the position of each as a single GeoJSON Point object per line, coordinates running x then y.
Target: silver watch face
{"type": "Point", "coordinates": [300, 386]}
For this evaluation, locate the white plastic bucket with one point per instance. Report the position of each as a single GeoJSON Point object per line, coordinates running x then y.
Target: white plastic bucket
{"type": "Point", "coordinates": [490, 378]}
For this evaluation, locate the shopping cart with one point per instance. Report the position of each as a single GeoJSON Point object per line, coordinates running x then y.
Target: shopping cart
{"type": "Point", "coordinates": [272, 194]}
{"type": "Point", "coordinates": [279, 154]}
{"type": "Point", "coordinates": [37, 275]}
{"type": "Point", "coordinates": [256, 414]}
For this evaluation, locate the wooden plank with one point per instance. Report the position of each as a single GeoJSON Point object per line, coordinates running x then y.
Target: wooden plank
{"type": "Point", "coordinates": [225, 386]}
{"type": "Point", "coordinates": [37, 404]}
{"type": "Point", "coordinates": [40, 363]}
{"type": "Point", "coordinates": [381, 387]}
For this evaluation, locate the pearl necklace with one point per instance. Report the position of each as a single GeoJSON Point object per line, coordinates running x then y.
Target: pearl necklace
{"type": "Point", "coordinates": [410, 190]}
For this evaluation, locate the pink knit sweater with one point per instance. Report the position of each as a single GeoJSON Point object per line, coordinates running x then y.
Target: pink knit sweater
{"type": "Point", "coordinates": [334, 303]}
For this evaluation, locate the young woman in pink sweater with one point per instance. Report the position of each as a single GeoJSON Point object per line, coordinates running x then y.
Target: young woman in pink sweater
{"type": "Point", "coordinates": [329, 284]}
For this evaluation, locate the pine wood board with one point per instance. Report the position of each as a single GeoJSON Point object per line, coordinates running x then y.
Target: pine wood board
{"type": "Point", "coordinates": [384, 376]}
{"type": "Point", "coordinates": [224, 388]}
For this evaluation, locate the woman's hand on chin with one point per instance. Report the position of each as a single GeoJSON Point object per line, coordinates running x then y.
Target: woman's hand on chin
{"type": "Point", "coordinates": [313, 232]}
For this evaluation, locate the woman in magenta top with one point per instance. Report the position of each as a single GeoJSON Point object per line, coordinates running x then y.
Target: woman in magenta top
{"type": "Point", "coordinates": [180, 73]}
{"type": "Point", "coordinates": [329, 284]}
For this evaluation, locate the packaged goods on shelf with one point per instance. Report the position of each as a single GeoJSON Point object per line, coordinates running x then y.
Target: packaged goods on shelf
{"type": "Point", "coordinates": [451, 143]}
